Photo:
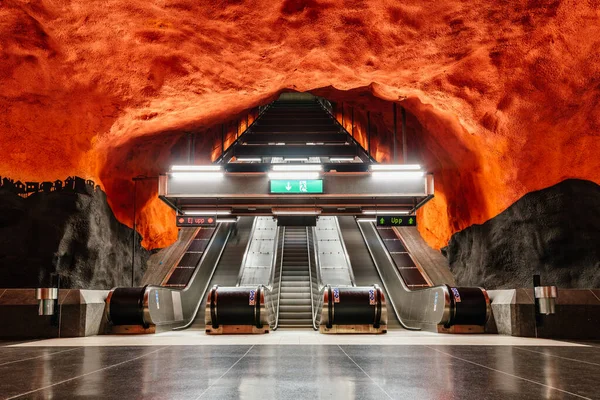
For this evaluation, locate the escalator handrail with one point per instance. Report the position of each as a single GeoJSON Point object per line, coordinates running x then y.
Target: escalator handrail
{"type": "Point", "coordinates": [320, 285]}
{"type": "Point", "coordinates": [271, 282]}
{"type": "Point", "coordinates": [245, 258]}
{"type": "Point", "coordinates": [280, 279]}
{"type": "Point", "coordinates": [212, 273]}
{"type": "Point", "coordinates": [346, 256]}
{"type": "Point", "coordinates": [312, 305]}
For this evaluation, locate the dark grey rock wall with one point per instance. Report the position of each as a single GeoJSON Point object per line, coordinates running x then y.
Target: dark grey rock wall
{"type": "Point", "coordinates": [75, 234]}
{"type": "Point", "coordinates": [554, 232]}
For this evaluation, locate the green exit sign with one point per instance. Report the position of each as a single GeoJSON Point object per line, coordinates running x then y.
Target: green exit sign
{"type": "Point", "coordinates": [296, 186]}
{"type": "Point", "coordinates": [397, 220]}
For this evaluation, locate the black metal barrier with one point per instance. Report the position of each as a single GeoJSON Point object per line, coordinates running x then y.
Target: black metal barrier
{"type": "Point", "coordinates": [469, 306]}
{"type": "Point", "coordinates": [236, 310]}
{"type": "Point", "coordinates": [126, 306]}
{"type": "Point", "coordinates": [353, 310]}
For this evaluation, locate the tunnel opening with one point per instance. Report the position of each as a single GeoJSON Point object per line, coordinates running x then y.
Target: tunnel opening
{"type": "Point", "coordinates": [433, 139]}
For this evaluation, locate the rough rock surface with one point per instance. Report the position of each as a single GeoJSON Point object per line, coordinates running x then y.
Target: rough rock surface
{"type": "Point", "coordinates": [74, 234]}
{"type": "Point", "coordinates": [554, 232]}
{"type": "Point", "coordinates": [505, 93]}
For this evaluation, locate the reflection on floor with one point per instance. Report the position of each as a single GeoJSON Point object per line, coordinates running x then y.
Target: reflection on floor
{"type": "Point", "coordinates": [414, 366]}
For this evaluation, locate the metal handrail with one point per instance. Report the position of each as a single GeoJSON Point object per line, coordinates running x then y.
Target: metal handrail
{"type": "Point", "coordinates": [273, 268]}
{"type": "Point", "coordinates": [346, 256]}
{"type": "Point", "coordinates": [344, 130]}
{"type": "Point", "coordinates": [245, 258]}
{"type": "Point", "coordinates": [320, 285]}
{"type": "Point", "coordinates": [312, 298]}
{"type": "Point", "coordinates": [280, 276]}
{"type": "Point", "coordinates": [247, 130]}
{"type": "Point", "coordinates": [274, 261]}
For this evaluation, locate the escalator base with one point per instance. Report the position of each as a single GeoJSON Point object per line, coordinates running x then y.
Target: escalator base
{"type": "Point", "coordinates": [360, 329]}
{"type": "Point", "coordinates": [461, 329]}
{"type": "Point", "coordinates": [236, 329]}
{"type": "Point", "coordinates": [131, 330]}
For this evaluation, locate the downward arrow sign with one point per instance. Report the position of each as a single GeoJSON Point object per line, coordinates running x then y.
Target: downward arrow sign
{"type": "Point", "coordinates": [288, 186]}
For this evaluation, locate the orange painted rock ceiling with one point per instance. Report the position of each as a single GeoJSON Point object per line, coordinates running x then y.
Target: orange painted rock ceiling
{"type": "Point", "coordinates": [503, 97]}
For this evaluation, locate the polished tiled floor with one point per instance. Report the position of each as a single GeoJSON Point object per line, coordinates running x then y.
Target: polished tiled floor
{"type": "Point", "coordinates": [489, 367]}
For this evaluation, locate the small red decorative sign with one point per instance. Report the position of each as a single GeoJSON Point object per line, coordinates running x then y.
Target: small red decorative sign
{"type": "Point", "coordinates": [195, 221]}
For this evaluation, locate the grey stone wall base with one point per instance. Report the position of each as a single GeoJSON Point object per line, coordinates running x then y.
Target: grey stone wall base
{"type": "Point", "coordinates": [82, 314]}
{"type": "Point", "coordinates": [577, 314]}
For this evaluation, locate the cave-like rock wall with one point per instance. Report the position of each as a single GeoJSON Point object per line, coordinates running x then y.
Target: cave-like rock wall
{"type": "Point", "coordinates": [553, 232]}
{"type": "Point", "coordinates": [502, 97]}
{"type": "Point", "coordinates": [70, 232]}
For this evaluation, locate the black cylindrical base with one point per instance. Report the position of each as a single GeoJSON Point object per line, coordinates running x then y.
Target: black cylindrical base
{"type": "Point", "coordinates": [236, 306]}
{"type": "Point", "coordinates": [354, 306]}
{"type": "Point", "coordinates": [470, 306]}
{"type": "Point", "coordinates": [126, 306]}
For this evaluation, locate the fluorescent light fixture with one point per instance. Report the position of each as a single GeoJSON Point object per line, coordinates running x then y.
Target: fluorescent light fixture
{"type": "Point", "coordinates": [402, 175]}
{"type": "Point", "coordinates": [223, 211]}
{"type": "Point", "coordinates": [293, 175]}
{"type": "Point", "coordinates": [384, 212]}
{"type": "Point", "coordinates": [196, 176]}
{"type": "Point", "coordinates": [362, 219]}
{"type": "Point", "coordinates": [297, 167]}
{"type": "Point", "coordinates": [195, 168]}
{"type": "Point", "coordinates": [296, 159]}
{"type": "Point", "coordinates": [249, 159]}
{"type": "Point", "coordinates": [280, 144]}
{"type": "Point", "coordinates": [225, 220]}
{"type": "Point", "coordinates": [341, 159]}
{"type": "Point", "coordinates": [296, 211]}
{"type": "Point", "coordinates": [395, 167]}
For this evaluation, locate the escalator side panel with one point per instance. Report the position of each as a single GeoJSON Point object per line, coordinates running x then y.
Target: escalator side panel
{"type": "Point", "coordinates": [365, 273]}
{"type": "Point", "coordinates": [228, 267]}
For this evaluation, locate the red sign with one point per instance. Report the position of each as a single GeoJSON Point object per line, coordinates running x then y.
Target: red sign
{"type": "Point", "coordinates": [187, 221]}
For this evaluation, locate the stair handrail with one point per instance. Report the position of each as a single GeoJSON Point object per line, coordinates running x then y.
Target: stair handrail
{"type": "Point", "coordinates": [280, 278]}
{"type": "Point", "coordinates": [245, 258]}
{"type": "Point", "coordinates": [320, 285]}
{"type": "Point", "coordinates": [344, 130]}
{"type": "Point", "coordinates": [312, 295]}
{"type": "Point", "coordinates": [248, 129]}
{"type": "Point", "coordinates": [271, 282]}
{"type": "Point", "coordinates": [346, 256]}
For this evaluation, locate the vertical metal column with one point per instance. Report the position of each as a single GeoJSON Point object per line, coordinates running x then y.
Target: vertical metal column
{"type": "Point", "coordinates": [189, 147]}
{"type": "Point", "coordinates": [395, 134]}
{"type": "Point", "coordinates": [404, 149]}
{"type": "Point", "coordinates": [369, 134]}
{"type": "Point", "coordinates": [222, 139]}
{"type": "Point", "coordinates": [134, 233]}
{"type": "Point", "coordinates": [352, 122]}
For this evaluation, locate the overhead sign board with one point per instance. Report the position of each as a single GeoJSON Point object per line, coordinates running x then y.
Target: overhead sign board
{"type": "Point", "coordinates": [397, 220]}
{"type": "Point", "coordinates": [296, 186]}
{"type": "Point", "coordinates": [196, 221]}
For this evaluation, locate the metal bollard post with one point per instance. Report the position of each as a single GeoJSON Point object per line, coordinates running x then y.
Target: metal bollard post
{"type": "Point", "coordinates": [544, 301]}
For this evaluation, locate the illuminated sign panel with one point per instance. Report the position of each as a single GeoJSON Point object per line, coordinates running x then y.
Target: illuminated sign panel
{"type": "Point", "coordinates": [184, 221]}
{"type": "Point", "coordinates": [397, 220]}
{"type": "Point", "coordinates": [296, 186]}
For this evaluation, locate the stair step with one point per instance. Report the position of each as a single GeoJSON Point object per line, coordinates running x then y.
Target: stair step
{"type": "Point", "coordinates": [295, 323]}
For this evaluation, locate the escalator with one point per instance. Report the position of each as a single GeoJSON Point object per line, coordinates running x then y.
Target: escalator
{"type": "Point", "coordinates": [228, 268]}
{"type": "Point", "coordinates": [214, 256]}
{"type": "Point", "coordinates": [438, 308]}
{"type": "Point", "coordinates": [365, 272]}
{"type": "Point", "coordinates": [295, 297]}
